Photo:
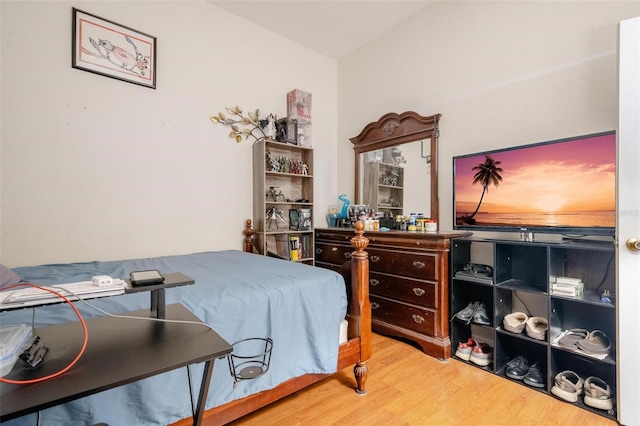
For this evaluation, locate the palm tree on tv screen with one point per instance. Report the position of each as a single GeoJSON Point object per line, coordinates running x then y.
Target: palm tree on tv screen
{"type": "Point", "coordinates": [487, 173]}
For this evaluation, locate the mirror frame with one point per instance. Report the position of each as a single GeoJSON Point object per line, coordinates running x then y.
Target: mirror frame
{"type": "Point", "coordinates": [395, 129]}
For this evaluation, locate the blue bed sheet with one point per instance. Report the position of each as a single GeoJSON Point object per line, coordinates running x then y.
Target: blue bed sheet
{"type": "Point", "coordinates": [241, 295]}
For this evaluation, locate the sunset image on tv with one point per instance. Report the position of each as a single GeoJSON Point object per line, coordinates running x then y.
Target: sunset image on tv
{"type": "Point", "coordinates": [562, 184]}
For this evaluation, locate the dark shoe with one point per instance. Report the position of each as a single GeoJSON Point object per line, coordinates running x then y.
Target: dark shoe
{"type": "Point", "coordinates": [480, 315]}
{"type": "Point", "coordinates": [534, 376]}
{"type": "Point", "coordinates": [467, 313]}
{"type": "Point", "coordinates": [517, 368]}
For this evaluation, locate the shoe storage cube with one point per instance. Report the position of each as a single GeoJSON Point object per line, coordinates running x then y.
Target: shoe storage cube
{"type": "Point", "coordinates": [523, 273]}
{"type": "Point", "coordinates": [569, 314]}
{"type": "Point", "coordinates": [584, 367]}
{"type": "Point", "coordinates": [468, 293]}
{"type": "Point", "coordinates": [522, 267]}
{"type": "Point", "coordinates": [530, 303]}
{"type": "Point", "coordinates": [596, 269]}
{"type": "Point", "coordinates": [509, 347]}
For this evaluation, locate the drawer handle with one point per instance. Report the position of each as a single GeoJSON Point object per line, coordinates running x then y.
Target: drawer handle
{"type": "Point", "coordinates": [417, 319]}
{"type": "Point", "coordinates": [374, 305]}
{"type": "Point", "coordinates": [334, 248]}
{"type": "Point", "coordinates": [318, 251]}
{"type": "Point", "coordinates": [418, 264]}
{"type": "Point", "coordinates": [347, 255]}
{"type": "Point", "coordinates": [373, 282]}
{"type": "Point", "coordinates": [419, 291]}
{"type": "Point", "coordinates": [374, 258]}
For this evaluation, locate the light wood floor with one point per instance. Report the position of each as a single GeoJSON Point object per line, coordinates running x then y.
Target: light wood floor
{"type": "Point", "coordinates": [406, 387]}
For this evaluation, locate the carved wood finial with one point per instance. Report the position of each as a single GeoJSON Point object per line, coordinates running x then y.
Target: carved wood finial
{"type": "Point", "coordinates": [248, 236]}
{"type": "Point", "coordinates": [360, 242]}
{"type": "Point", "coordinates": [390, 127]}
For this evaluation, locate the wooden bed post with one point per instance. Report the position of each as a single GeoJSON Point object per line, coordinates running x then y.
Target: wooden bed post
{"type": "Point", "coordinates": [360, 308]}
{"type": "Point", "coordinates": [356, 351]}
{"type": "Point", "coordinates": [248, 237]}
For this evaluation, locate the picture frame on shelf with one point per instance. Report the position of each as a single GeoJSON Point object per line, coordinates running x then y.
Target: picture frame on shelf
{"type": "Point", "coordinates": [106, 48]}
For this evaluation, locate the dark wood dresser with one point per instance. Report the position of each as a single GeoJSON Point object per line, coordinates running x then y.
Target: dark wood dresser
{"type": "Point", "coordinates": [408, 282]}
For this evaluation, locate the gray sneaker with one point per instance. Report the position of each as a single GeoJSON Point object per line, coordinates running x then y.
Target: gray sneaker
{"type": "Point", "coordinates": [467, 313]}
{"type": "Point", "coordinates": [480, 315]}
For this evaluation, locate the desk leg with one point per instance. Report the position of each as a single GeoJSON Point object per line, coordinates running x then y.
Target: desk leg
{"type": "Point", "coordinates": [204, 390]}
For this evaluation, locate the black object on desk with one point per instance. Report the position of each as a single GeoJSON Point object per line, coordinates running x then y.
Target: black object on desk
{"type": "Point", "coordinates": [115, 355]}
{"type": "Point", "coordinates": [148, 277]}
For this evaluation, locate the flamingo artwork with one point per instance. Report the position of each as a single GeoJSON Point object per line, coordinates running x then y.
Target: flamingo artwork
{"type": "Point", "coordinates": [134, 62]}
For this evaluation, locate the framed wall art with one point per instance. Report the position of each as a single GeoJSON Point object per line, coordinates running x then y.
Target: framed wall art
{"type": "Point", "coordinates": [113, 50]}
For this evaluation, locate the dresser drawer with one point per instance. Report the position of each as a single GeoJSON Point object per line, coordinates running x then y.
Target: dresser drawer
{"type": "Point", "coordinates": [336, 254]}
{"type": "Point", "coordinates": [404, 315]}
{"type": "Point", "coordinates": [409, 290]}
{"type": "Point", "coordinates": [410, 264]}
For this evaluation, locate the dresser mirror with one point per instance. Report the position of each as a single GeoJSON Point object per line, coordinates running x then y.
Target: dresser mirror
{"type": "Point", "coordinates": [396, 165]}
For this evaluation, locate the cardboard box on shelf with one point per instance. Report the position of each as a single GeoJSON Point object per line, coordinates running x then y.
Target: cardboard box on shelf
{"type": "Point", "coordinates": [299, 105]}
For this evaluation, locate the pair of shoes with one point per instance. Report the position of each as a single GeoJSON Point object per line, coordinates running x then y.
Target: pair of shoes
{"type": "Point", "coordinates": [464, 349]}
{"type": "Point", "coordinates": [474, 312]}
{"type": "Point", "coordinates": [569, 386]}
{"type": "Point", "coordinates": [537, 328]}
{"type": "Point", "coordinates": [478, 353]}
{"type": "Point", "coordinates": [519, 369]}
{"type": "Point", "coordinates": [594, 343]}
{"type": "Point", "coordinates": [515, 322]}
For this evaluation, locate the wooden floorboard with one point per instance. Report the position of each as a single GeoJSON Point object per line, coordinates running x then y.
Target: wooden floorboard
{"type": "Point", "coordinates": [406, 387]}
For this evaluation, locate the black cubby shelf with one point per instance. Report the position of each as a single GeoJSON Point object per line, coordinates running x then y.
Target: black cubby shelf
{"type": "Point", "coordinates": [523, 273]}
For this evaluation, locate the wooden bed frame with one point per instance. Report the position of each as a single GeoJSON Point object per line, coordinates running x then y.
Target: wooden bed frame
{"type": "Point", "coordinates": [356, 351]}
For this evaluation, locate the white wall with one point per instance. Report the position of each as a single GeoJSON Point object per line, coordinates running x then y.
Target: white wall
{"type": "Point", "coordinates": [500, 73]}
{"type": "Point", "coordinates": [93, 168]}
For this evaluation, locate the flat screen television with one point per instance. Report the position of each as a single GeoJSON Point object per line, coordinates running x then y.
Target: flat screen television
{"type": "Point", "coordinates": [565, 186]}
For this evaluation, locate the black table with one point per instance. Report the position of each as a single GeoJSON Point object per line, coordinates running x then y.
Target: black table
{"type": "Point", "coordinates": [119, 351]}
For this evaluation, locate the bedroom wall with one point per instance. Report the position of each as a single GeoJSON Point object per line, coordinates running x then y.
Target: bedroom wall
{"type": "Point", "coordinates": [93, 168]}
{"type": "Point", "coordinates": [500, 73]}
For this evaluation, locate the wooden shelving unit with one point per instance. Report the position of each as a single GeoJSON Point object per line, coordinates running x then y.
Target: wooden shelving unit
{"type": "Point", "coordinates": [279, 197]}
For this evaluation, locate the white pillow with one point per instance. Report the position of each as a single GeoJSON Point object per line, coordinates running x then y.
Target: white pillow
{"type": "Point", "coordinates": [7, 277]}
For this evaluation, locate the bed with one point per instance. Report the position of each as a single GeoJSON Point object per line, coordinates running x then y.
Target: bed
{"type": "Point", "coordinates": [242, 295]}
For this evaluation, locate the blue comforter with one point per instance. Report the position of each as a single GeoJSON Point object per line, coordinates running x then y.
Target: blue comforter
{"type": "Point", "coordinates": [241, 295]}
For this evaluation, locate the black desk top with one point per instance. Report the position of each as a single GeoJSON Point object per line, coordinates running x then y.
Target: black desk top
{"type": "Point", "coordinates": [119, 351]}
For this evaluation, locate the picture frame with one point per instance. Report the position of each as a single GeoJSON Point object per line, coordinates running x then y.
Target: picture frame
{"type": "Point", "coordinates": [106, 48]}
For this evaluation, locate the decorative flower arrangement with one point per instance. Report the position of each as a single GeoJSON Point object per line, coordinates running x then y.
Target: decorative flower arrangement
{"type": "Point", "coordinates": [255, 127]}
